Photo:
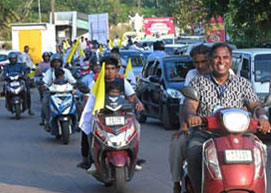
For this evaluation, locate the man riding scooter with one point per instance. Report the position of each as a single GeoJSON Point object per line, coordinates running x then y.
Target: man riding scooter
{"type": "Point", "coordinates": [111, 75]}
{"type": "Point", "coordinates": [216, 89]}
{"type": "Point", "coordinates": [20, 68]}
{"type": "Point", "coordinates": [56, 63]}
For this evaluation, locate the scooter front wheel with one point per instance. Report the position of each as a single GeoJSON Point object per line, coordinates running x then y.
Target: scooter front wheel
{"type": "Point", "coordinates": [120, 180]}
{"type": "Point", "coordinates": [17, 110]}
{"type": "Point", "coordinates": [65, 132]}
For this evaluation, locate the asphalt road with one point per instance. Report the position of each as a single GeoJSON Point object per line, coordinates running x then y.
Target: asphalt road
{"type": "Point", "coordinates": [32, 161]}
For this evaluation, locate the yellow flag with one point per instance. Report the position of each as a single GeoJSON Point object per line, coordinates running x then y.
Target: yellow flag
{"type": "Point", "coordinates": [129, 67]}
{"type": "Point", "coordinates": [120, 42]}
{"type": "Point", "coordinates": [99, 91]}
{"type": "Point", "coordinates": [111, 45]}
{"type": "Point", "coordinates": [81, 52]}
{"type": "Point", "coordinates": [101, 49]}
{"type": "Point", "coordinates": [74, 48]}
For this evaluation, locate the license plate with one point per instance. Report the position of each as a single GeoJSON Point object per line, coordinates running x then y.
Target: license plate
{"type": "Point", "coordinates": [112, 121]}
{"type": "Point", "coordinates": [238, 156]}
{"type": "Point", "coordinates": [16, 83]}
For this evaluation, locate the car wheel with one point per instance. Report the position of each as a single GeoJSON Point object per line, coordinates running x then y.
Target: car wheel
{"type": "Point", "coordinates": [168, 125]}
{"type": "Point", "coordinates": [140, 117]}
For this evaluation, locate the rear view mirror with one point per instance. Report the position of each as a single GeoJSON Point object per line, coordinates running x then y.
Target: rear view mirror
{"type": "Point", "coordinates": [190, 93]}
{"type": "Point", "coordinates": [267, 101]}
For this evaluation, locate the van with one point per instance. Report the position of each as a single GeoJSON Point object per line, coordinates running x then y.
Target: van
{"type": "Point", "coordinates": [255, 65]}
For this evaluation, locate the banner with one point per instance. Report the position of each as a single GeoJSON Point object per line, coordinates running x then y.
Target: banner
{"type": "Point", "coordinates": [98, 27]}
{"type": "Point", "coordinates": [216, 30]}
{"type": "Point", "coordinates": [159, 25]}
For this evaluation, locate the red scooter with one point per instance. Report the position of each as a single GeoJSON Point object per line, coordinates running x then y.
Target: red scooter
{"type": "Point", "coordinates": [115, 143]}
{"type": "Point", "coordinates": [236, 160]}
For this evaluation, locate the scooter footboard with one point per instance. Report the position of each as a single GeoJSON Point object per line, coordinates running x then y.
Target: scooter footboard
{"type": "Point", "coordinates": [118, 158]}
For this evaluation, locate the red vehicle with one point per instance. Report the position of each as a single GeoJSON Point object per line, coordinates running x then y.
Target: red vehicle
{"type": "Point", "coordinates": [234, 161]}
{"type": "Point", "coordinates": [115, 143]}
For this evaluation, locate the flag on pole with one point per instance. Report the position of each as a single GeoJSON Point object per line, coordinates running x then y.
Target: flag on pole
{"type": "Point", "coordinates": [99, 91]}
{"type": "Point", "coordinates": [129, 68]}
{"type": "Point", "coordinates": [74, 48]}
{"type": "Point", "coordinates": [111, 45]}
{"type": "Point", "coordinates": [121, 41]}
{"type": "Point", "coordinates": [101, 48]}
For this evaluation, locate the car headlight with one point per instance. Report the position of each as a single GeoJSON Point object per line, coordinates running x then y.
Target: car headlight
{"type": "Point", "coordinates": [173, 93]}
{"type": "Point", "coordinates": [236, 121]}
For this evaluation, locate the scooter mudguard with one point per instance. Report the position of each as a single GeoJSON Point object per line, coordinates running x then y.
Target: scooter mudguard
{"type": "Point", "coordinates": [118, 158]}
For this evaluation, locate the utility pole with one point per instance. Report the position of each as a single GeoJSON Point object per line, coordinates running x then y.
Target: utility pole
{"type": "Point", "coordinates": [138, 5]}
{"type": "Point", "coordinates": [53, 11]}
{"type": "Point", "coordinates": [39, 11]}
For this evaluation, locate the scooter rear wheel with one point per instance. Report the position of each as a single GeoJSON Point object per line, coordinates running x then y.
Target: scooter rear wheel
{"type": "Point", "coordinates": [120, 180]}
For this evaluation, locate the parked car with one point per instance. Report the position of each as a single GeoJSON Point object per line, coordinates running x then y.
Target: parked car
{"type": "Point", "coordinates": [175, 49]}
{"type": "Point", "coordinates": [255, 65]}
{"type": "Point", "coordinates": [4, 58]}
{"type": "Point", "coordinates": [137, 57]}
{"type": "Point", "coordinates": [159, 88]}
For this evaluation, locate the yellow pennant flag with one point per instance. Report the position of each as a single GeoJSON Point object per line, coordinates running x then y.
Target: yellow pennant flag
{"type": "Point", "coordinates": [81, 52]}
{"type": "Point", "coordinates": [74, 48]}
{"type": "Point", "coordinates": [129, 67]}
{"type": "Point", "coordinates": [120, 42]}
{"type": "Point", "coordinates": [101, 49]}
{"type": "Point", "coordinates": [99, 91]}
{"type": "Point", "coordinates": [111, 44]}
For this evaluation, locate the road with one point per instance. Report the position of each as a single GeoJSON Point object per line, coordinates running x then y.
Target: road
{"type": "Point", "coordinates": [32, 161]}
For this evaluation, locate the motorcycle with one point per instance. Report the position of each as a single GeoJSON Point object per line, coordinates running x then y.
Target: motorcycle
{"type": "Point", "coordinates": [63, 114]}
{"type": "Point", "coordinates": [115, 143]}
{"type": "Point", "coordinates": [38, 81]}
{"type": "Point", "coordinates": [236, 160]}
{"type": "Point", "coordinates": [15, 92]}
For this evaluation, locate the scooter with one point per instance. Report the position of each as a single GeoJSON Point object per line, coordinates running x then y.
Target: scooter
{"type": "Point", "coordinates": [63, 114]}
{"type": "Point", "coordinates": [15, 92]}
{"type": "Point", "coordinates": [115, 143]}
{"type": "Point", "coordinates": [236, 160]}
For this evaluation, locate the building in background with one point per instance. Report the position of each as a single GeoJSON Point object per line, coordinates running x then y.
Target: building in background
{"type": "Point", "coordinates": [70, 25]}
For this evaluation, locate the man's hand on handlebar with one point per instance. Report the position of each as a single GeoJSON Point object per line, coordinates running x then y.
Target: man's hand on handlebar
{"type": "Point", "coordinates": [194, 121]}
{"type": "Point", "coordinates": [264, 126]}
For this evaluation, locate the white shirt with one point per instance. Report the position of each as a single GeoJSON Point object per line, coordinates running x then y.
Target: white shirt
{"type": "Point", "coordinates": [85, 122]}
{"type": "Point", "coordinates": [49, 76]}
{"type": "Point", "coordinates": [27, 60]}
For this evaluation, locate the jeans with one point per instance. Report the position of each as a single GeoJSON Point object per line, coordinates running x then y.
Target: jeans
{"type": "Point", "coordinates": [177, 155]}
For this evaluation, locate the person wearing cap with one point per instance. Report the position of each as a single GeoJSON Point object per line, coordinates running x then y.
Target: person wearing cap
{"type": "Point", "coordinates": [45, 64]}
{"type": "Point", "coordinates": [158, 50]}
{"type": "Point", "coordinates": [14, 66]}
{"type": "Point", "coordinates": [56, 62]}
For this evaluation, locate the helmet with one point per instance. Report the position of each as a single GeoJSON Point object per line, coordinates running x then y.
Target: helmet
{"type": "Point", "coordinates": [88, 52]}
{"type": "Point", "coordinates": [56, 57]}
{"type": "Point", "coordinates": [45, 54]}
{"type": "Point", "coordinates": [12, 55]}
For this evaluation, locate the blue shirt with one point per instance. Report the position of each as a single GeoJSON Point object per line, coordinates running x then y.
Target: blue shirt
{"type": "Point", "coordinates": [18, 67]}
{"type": "Point", "coordinates": [87, 79]}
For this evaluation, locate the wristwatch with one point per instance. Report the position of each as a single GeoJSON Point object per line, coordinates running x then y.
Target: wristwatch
{"type": "Point", "coordinates": [264, 117]}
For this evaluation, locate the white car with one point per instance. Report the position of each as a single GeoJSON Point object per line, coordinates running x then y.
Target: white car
{"type": "Point", "coordinates": [4, 57]}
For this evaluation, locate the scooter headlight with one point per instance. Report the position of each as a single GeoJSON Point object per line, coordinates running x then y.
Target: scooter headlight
{"type": "Point", "coordinates": [235, 120]}
{"type": "Point", "coordinates": [211, 160]}
{"type": "Point", "coordinates": [121, 139]}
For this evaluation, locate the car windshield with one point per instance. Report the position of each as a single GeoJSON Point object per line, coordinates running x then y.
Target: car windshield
{"type": "Point", "coordinates": [138, 59]}
{"type": "Point", "coordinates": [262, 67]}
{"type": "Point", "coordinates": [3, 57]}
{"type": "Point", "coordinates": [176, 70]}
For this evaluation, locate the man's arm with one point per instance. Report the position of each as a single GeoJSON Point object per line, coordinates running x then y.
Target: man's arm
{"type": "Point", "coordinates": [190, 112]}
{"type": "Point", "coordinates": [135, 100]}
